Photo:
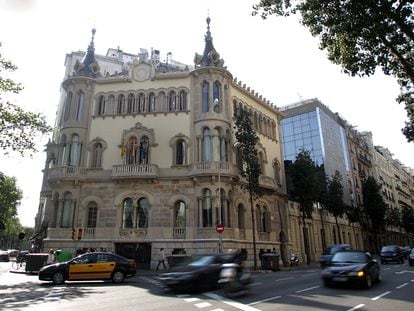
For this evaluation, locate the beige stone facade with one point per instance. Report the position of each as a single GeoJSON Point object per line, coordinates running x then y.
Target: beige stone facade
{"type": "Point", "coordinates": [140, 154]}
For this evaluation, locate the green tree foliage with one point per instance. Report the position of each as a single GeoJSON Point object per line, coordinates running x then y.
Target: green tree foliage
{"type": "Point", "coordinates": [407, 219]}
{"type": "Point", "coordinates": [18, 128]}
{"type": "Point", "coordinates": [335, 199]}
{"type": "Point", "coordinates": [10, 196]}
{"type": "Point", "coordinates": [304, 187]}
{"type": "Point", "coordinates": [247, 139]}
{"type": "Point", "coordinates": [360, 36]}
{"type": "Point", "coordinates": [393, 217]}
{"type": "Point", "coordinates": [374, 205]}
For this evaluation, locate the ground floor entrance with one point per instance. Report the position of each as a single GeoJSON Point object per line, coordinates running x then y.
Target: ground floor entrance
{"type": "Point", "coordinates": [140, 252]}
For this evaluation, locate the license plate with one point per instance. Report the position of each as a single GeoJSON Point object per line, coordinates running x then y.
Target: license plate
{"type": "Point", "coordinates": [340, 279]}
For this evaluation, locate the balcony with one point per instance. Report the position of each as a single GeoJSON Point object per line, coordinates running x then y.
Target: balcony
{"type": "Point", "coordinates": [179, 233]}
{"type": "Point", "coordinates": [213, 168]}
{"type": "Point", "coordinates": [66, 172]}
{"type": "Point", "coordinates": [135, 171]}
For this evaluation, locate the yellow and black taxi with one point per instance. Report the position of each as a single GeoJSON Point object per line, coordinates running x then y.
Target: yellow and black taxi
{"type": "Point", "coordinates": [90, 266]}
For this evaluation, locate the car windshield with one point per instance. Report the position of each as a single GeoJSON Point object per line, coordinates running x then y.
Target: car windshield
{"type": "Point", "coordinates": [390, 248]}
{"type": "Point", "coordinates": [350, 257]}
{"type": "Point", "coordinates": [331, 250]}
{"type": "Point", "coordinates": [202, 261]}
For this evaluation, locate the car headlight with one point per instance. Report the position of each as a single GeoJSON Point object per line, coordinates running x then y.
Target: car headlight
{"type": "Point", "coordinates": [228, 273]}
{"type": "Point", "coordinates": [357, 273]}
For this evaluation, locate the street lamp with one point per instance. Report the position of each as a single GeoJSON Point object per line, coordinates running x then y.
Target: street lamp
{"type": "Point", "coordinates": [320, 208]}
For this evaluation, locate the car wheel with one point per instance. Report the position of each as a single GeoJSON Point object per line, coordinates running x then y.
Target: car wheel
{"type": "Point", "coordinates": [118, 276]}
{"type": "Point", "coordinates": [326, 283]}
{"type": "Point", "coordinates": [368, 281]}
{"type": "Point", "coordinates": [379, 278]}
{"type": "Point", "coordinates": [58, 278]}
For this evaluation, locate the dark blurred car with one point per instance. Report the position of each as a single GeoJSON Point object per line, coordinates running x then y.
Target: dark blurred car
{"type": "Point", "coordinates": [406, 250]}
{"type": "Point", "coordinates": [13, 252]}
{"type": "Point", "coordinates": [355, 268]}
{"type": "Point", "coordinates": [411, 257]}
{"type": "Point", "coordinates": [90, 266]}
{"type": "Point", "coordinates": [4, 256]}
{"type": "Point", "coordinates": [201, 274]}
{"type": "Point", "coordinates": [330, 251]}
{"type": "Point", "coordinates": [21, 256]}
{"type": "Point", "coordinates": [392, 253]}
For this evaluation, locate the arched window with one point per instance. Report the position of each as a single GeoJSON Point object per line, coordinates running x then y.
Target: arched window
{"type": "Point", "coordinates": [64, 149]}
{"type": "Point", "coordinates": [67, 212]}
{"type": "Point", "coordinates": [92, 215]}
{"type": "Point", "coordinates": [111, 107]}
{"type": "Point", "coordinates": [261, 163]}
{"type": "Point", "coordinates": [143, 150]}
{"type": "Point", "coordinates": [68, 104]}
{"type": "Point", "coordinates": [207, 208]}
{"type": "Point", "coordinates": [127, 214]}
{"type": "Point", "coordinates": [240, 216]}
{"type": "Point", "coordinates": [182, 105]}
{"type": "Point", "coordinates": [180, 153]}
{"type": "Point", "coordinates": [141, 102]}
{"type": "Point", "coordinates": [142, 215]}
{"type": "Point", "coordinates": [79, 107]}
{"type": "Point", "coordinates": [179, 214]}
{"type": "Point", "coordinates": [131, 103]}
{"type": "Point", "coordinates": [171, 101]}
{"type": "Point", "coordinates": [217, 95]}
{"type": "Point", "coordinates": [101, 105]}
{"type": "Point", "coordinates": [97, 155]}
{"type": "Point", "coordinates": [206, 152]}
{"type": "Point", "coordinates": [74, 152]}
{"type": "Point", "coordinates": [121, 104]}
{"type": "Point", "coordinates": [131, 150]}
{"type": "Point", "coordinates": [151, 105]}
{"type": "Point", "coordinates": [255, 121]}
{"type": "Point", "coordinates": [217, 150]}
{"type": "Point", "coordinates": [273, 130]}
{"type": "Point", "coordinates": [276, 169]}
{"type": "Point", "coordinates": [205, 97]}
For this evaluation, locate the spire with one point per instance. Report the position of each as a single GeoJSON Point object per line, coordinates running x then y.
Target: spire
{"type": "Point", "coordinates": [210, 56]}
{"type": "Point", "coordinates": [89, 66]}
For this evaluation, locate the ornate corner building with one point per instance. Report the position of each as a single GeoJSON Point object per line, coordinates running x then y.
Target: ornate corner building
{"type": "Point", "coordinates": [143, 158]}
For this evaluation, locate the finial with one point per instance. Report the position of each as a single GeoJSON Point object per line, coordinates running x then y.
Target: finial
{"type": "Point", "coordinates": [93, 34]}
{"type": "Point", "coordinates": [208, 20]}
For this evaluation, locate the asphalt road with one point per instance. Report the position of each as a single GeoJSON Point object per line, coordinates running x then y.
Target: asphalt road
{"type": "Point", "coordinates": [300, 289]}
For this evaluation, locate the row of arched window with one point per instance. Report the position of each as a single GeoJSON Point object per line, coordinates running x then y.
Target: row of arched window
{"type": "Point", "coordinates": [73, 107]}
{"type": "Point", "coordinates": [142, 102]}
{"type": "Point", "coordinates": [261, 123]}
{"type": "Point", "coordinates": [214, 90]}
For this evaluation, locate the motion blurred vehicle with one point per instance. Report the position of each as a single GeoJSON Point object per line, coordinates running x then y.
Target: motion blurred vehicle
{"type": "Point", "coordinates": [406, 250]}
{"type": "Point", "coordinates": [234, 280]}
{"type": "Point", "coordinates": [200, 274]}
{"type": "Point", "coordinates": [354, 268]}
{"type": "Point", "coordinates": [90, 266]}
{"type": "Point", "coordinates": [330, 251]}
{"type": "Point", "coordinates": [411, 257]}
{"type": "Point", "coordinates": [392, 253]}
{"type": "Point", "coordinates": [4, 256]}
{"type": "Point", "coordinates": [13, 252]}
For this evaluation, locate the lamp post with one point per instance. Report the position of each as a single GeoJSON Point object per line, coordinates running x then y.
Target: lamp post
{"type": "Point", "coordinates": [320, 208]}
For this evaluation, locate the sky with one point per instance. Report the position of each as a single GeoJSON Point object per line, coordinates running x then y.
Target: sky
{"type": "Point", "coordinates": [276, 57]}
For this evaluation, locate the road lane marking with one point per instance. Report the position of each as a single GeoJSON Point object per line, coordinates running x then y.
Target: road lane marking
{"type": "Point", "coordinates": [264, 300]}
{"type": "Point", "coordinates": [356, 307]}
{"type": "Point", "coordinates": [382, 295]}
{"type": "Point", "coordinates": [254, 284]}
{"type": "Point", "coordinates": [306, 289]}
{"type": "Point", "coordinates": [203, 305]}
{"type": "Point", "coordinates": [182, 296]}
{"type": "Point", "coordinates": [191, 299]}
{"type": "Point", "coordinates": [386, 269]}
{"type": "Point", "coordinates": [289, 278]}
{"type": "Point", "coordinates": [402, 285]}
{"type": "Point", "coordinates": [232, 303]}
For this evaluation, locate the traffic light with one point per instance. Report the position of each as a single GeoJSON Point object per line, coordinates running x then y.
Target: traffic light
{"type": "Point", "coordinates": [22, 235]}
{"type": "Point", "coordinates": [80, 233]}
{"type": "Point", "coordinates": [74, 236]}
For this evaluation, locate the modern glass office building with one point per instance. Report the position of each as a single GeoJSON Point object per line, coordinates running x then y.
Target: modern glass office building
{"type": "Point", "coordinates": [310, 125]}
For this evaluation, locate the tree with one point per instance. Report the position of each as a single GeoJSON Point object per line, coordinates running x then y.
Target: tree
{"type": "Point", "coordinates": [18, 128]}
{"type": "Point", "coordinates": [335, 199]}
{"type": "Point", "coordinates": [303, 178]}
{"type": "Point", "coordinates": [250, 168]}
{"type": "Point", "coordinates": [374, 205]}
{"type": "Point", "coordinates": [10, 196]}
{"type": "Point", "coordinates": [393, 217]}
{"type": "Point", "coordinates": [360, 36]}
{"type": "Point", "coordinates": [407, 219]}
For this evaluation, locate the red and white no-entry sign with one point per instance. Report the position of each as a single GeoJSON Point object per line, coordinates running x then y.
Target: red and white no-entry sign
{"type": "Point", "coordinates": [219, 228]}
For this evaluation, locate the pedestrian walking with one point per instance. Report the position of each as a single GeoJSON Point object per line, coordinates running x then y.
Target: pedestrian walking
{"type": "Point", "coordinates": [162, 259]}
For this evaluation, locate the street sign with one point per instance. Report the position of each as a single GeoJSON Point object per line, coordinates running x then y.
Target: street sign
{"type": "Point", "coordinates": [219, 228]}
